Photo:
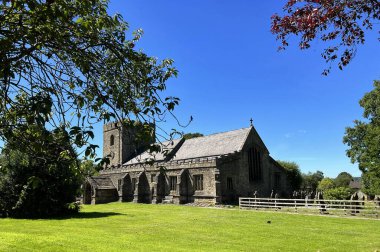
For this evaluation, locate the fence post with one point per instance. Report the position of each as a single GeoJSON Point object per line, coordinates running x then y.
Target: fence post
{"type": "Point", "coordinates": [344, 207]}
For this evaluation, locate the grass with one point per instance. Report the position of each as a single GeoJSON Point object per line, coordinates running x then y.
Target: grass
{"type": "Point", "coordinates": [138, 227]}
{"type": "Point", "coordinates": [365, 212]}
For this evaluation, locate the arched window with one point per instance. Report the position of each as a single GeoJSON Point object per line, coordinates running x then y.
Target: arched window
{"type": "Point", "coordinates": [112, 140]}
{"type": "Point", "coordinates": [254, 161]}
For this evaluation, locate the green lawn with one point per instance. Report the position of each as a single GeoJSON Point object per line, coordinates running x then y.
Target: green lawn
{"type": "Point", "coordinates": [137, 227]}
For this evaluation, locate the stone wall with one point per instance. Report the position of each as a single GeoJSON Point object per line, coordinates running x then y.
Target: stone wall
{"type": "Point", "coordinates": [215, 173]}
{"type": "Point", "coordinates": [104, 196]}
{"type": "Point", "coordinates": [125, 145]}
{"type": "Point", "coordinates": [115, 150]}
{"type": "Point", "coordinates": [230, 168]}
{"type": "Point", "coordinates": [235, 167]}
{"type": "Point", "coordinates": [225, 178]}
{"type": "Point", "coordinates": [206, 168]}
{"type": "Point", "coordinates": [284, 190]}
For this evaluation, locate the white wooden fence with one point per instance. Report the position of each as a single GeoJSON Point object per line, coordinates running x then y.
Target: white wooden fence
{"type": "Point", "coordinates": [336, 207]}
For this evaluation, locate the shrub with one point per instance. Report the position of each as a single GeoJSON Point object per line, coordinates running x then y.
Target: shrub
{"type": "Point", "coordinates": [326, 184]}
{"type": "Point", "coordinates": [338, 193]}
{"type": "Point", "coordinates": [39, 185]}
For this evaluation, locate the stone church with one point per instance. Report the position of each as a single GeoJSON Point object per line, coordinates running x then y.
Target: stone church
{"type": "Point", "coordinates": [217, 168]}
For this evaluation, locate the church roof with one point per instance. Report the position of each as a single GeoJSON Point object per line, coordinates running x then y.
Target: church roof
{"type": "Point", "coordinates": [355, 183]}
{"type": "Point", "coordinates": [101, 182]}
{"type": "Point", "coordinates": [167, 147]}
{"type": "Point", "coordinates": [212, 145]}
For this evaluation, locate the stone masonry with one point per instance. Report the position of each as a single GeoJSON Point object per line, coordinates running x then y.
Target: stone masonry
{"type": "Point", "coordinates": [217, 168]}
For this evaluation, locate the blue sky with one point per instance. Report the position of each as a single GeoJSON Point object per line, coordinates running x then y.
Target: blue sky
{"type": "Point", "coordinates": [230, 71]}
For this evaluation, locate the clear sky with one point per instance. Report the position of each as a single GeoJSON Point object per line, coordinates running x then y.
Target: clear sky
{"type": "Point", "coordinates": [230, 71]}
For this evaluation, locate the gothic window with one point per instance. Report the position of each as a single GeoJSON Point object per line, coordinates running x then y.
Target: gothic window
{"type": "Point", "coordinates": [230, 186]}
{"type": "Point", "coordinates": [198, 182]}
{"type": "Point", "coordinates": [112, 140]}
{"type": "Point", "coordinates": [173, 183]}
{"type": "Point", "coordinates": [254, 163]}
{"type": "Point", "coordinates": [217, 177]}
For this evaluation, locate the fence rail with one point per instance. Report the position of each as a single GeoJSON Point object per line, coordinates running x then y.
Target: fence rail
{"type": "Point", "coordinates": [338, 207]}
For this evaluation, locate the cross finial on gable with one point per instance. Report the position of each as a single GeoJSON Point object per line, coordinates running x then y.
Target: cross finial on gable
{"type": "Point", "coordinates": [251, 122]}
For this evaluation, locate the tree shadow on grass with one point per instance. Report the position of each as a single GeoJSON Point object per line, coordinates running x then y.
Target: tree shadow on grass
{"type": "Point", "coordinates": [80, 215]}
{"type": "Point", "coordinates": [86, 215]}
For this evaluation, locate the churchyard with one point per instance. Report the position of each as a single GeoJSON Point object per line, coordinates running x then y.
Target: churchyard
{"type": "Point", "coordinates": [143, 227]}
{"type": "Point", "coordinates": [345, 208]}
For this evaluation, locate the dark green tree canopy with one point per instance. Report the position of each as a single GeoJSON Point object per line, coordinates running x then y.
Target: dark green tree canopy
{"type": "Point", "coordinates": [64, 66]}
{"type": "Point", "coordinates": [363, 140]}
{"type": "Point", "coordinates": [69, 64]}
{"type": "Point", "coordinates": [293, 173]}
{"type": "Point", "coordinates": [310, 180]}
{"type": "Point", "coordinates": [39, 182]}
{"type": "Point", "coordinates": [192, 135]}
{"type": "Point", "coordinates": [343, 179]}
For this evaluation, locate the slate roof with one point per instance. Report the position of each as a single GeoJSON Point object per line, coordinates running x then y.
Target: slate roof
{"type": "Point", "coordinates": [168, 146]}
{"type": "Point", "coordinates": [212, 145]}
{"type": "Point", "coordinates": [101, 182]}
{"type": "Point", "coordinates": [355, 183]}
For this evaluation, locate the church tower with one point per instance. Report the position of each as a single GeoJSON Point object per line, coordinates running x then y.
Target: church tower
{"type": "Point", "coordinates": [123, 143]}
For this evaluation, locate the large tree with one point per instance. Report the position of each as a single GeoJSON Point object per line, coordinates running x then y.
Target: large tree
{"type": "Point", "coordinates": [38, 181]}
{"type": "Point", "coordinates": [363, 140]}
{"type": "Point", "coordinates": [293, 174]}
{"type": "Point", "coordinates": [66, 65]}
{"type": "Point", "coordinates": [310, 181]}
{"type": "Point", "coordinates": [342, 24]}
{"type": "Point", "coordinates": [343, 179]}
